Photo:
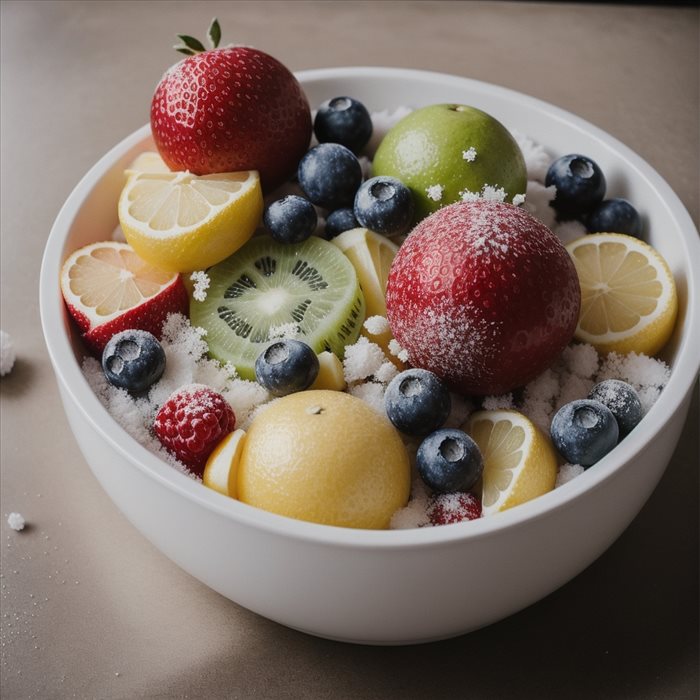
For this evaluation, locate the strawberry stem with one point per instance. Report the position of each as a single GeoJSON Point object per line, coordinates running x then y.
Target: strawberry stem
{"type": "Point", "coordinates": [191, 46]}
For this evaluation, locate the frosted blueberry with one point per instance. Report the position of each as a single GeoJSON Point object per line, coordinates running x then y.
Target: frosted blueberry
{"type": "Point", "coordinates": [584, 431]}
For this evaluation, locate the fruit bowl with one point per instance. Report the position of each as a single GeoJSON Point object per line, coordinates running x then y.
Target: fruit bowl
{"type": "Point", "coordinates": [370, 586]}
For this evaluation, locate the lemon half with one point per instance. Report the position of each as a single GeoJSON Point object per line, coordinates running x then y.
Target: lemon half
{"type": "Point", "coordinates": [182, 222]}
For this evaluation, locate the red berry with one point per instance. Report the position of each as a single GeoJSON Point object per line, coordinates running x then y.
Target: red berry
{"type": "Point", "coordinates": [192, 422]}
{"type": "Point", "coordinates": [448, 508]}
{"type": "Point", "coordinates": [483, 295]}
{"type": "Point", "coordinates": [231, 109]}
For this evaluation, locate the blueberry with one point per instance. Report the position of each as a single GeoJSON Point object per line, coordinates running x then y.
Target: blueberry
{"type": "Point", "coordinates": [580, 185]}
{"type": "Point", "coordinates": [448, 460]}
{"type": "Point", "coordinates": [584, 431]}
{"type": "Point", "coordinates": [417, 402]}
{"type": "Point", "coordinates": [622, 400]}
{"type": "Point", "coordinates": [330, 174]}
{"type": "Point", "coordinates": [343, 120]}
{"type": "Point", "coordinates": [340, 220]}
{"type": "Point", "coordinates": [133, 360]}
{"type": "Point", "coordinates": [291, 219]}
{"type": "Point", "coordinates": [615, 216]}
{"type": "Point", "coordinates": [385, 205]}
{"type": "Point", "coordinates": [286, 366]}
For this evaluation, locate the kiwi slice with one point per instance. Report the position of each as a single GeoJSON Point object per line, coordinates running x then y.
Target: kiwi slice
{"type": "Point", "coordinates": [265, 285]}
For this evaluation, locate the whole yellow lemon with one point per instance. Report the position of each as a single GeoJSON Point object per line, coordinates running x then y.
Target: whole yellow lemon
{"type": "Point", "coordinates": [325, 457]}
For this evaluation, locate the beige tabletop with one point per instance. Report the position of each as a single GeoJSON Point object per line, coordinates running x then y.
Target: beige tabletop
{"type": "Point", "coordinates": [89, 608]}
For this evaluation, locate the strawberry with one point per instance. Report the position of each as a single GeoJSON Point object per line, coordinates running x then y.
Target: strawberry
{"type": "Point", "coordinates": [192, 422]}
{"type": "Point", "coordinates": [229, 109]}
{"type": "Point", "coordinates": [107, 289]}
{"type": "Point", "coordinates": [448, 508]}
{"type": "Point", "coordinates": [483, 295]}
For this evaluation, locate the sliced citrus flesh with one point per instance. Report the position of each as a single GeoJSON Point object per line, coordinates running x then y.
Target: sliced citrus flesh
{"type": "Point", "coordinates": [221, 470]}
{"type": "Point", "coordinates": [628, 294]}
{"type": "Point", "coordinates": [104, 280]}
{"type": "Point", "coordinates": [519, 461]}
{"type": "Point", "coordinates": [183, 222]}
{"type": "Point", "coordinates": [371, 254]}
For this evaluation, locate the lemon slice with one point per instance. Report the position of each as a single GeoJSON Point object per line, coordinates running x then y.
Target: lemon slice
{"type": "Point", "coordinates": [183, 222]}
{"type": "Point", "coordinates": [147, 162]}
{"type": "Point", "coordinates": [628, 295]}
{"type": "Point", "coordinates": [221, 470]}
{"type": "Point", "coordinates": [519, 461]}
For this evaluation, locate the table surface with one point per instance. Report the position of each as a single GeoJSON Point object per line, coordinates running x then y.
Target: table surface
{"type": "Point", "coordinates": [89, 607]}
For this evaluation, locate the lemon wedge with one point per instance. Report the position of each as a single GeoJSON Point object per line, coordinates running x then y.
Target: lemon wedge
{"type": "Point", "coordinates": [221, 470]}
{"type": "Point", "coordinates": [330, 372]}
{"type": "Point", "coordinates": [519, 461]}
{"type": "Point", "coordinates": [182, 222]}
{"type": "Point", "coordinates": [371, 254]}
{"type": "Point", "coordinates": [628, 294]}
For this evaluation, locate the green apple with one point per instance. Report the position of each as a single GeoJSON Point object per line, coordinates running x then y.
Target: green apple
{"type": "Point", "coordinates": [443, 151]}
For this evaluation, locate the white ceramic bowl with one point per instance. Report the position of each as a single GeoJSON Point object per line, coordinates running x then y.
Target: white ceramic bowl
{"type": "Point", "coordinates": [369, 586]}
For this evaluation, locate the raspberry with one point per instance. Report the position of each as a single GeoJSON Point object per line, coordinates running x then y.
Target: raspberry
{"type": "Point", "coordinates": [192, 422]}
{"type": "Point", "coordinates": [448, 508]}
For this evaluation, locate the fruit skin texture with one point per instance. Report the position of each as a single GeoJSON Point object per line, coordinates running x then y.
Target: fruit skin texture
{"type": "Point", "coordinates": [291, 219]}
{"type": "Point", "coordinates": [325, 457]}
{"type": "Point", "coordinates": [286, 366]}
{"type": "Point", "coordinates": [330, 174]}
{"type": "Point", "coordinates": [426, 148]}
{"type": "Point", "coordinates": [623, 402]}
{"type": "Point", "coordinates": [448, 508]}
{"type": "Point", "coordinates": [133, 360]}
{"type": "Point", "coordinates": [384, 205]}
{"type": "Point", "coordinates": [340, 220]}
{"type": "Point", "coordinates": [192, 422]}
{"type": "Point", "coordinates": [579, 182]}
{"type": "Point", "coordinates": [615, 215]}
{"type": "Point", "coordinates": [230, 109]}
{"type": "Point", "coordinates": [343, 120]}
{"type": "Point", "coordinates": [417, 402]}
{"type": "Point", "coordinates": [584, 431]}
{"type": "Point", "coordinates": [449, 460]}
{"type": "Point", "coordinates": [483, 295]}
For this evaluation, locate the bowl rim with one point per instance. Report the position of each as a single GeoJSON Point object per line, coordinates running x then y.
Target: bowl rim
{"type": "Point", "coordinates": [71, 379]}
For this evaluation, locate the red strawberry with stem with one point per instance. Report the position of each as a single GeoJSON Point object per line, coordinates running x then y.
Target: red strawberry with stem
{"type": "Point", "coordinates": [229, 109]}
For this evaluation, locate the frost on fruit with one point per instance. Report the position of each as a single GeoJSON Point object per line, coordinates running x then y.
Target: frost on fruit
{"type": "Point", "coordinates": [201, 284]}
{"type": "Point", "coordinates": [434, 192]}
{"type": "Point", "coordinates": [469, 155]}
{"type": "Point", "coordinates": [362, 359]}
{"type": "Point", "coordinates": [288, 331]}
{"type": "Point", "coordinates": [518, 200]}
{"type": "Point", "coordinates": [376, 325]}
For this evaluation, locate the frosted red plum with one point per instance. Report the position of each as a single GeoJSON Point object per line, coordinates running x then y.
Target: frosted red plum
{"type": "Point", "coordinates": [484, 295]}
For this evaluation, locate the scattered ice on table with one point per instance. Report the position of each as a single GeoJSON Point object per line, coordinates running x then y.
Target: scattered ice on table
{"type": "Point", "coordinates": [16, 521]}
{"type": "Point", "coordinates": [7, 354]}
